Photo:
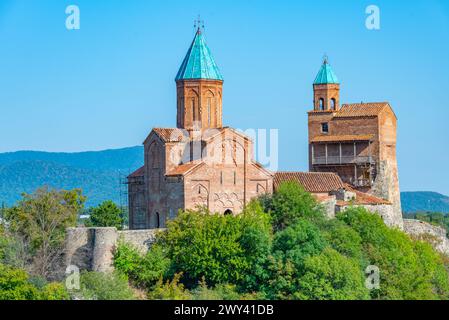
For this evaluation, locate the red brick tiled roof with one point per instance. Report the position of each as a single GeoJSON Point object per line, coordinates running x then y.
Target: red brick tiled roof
{"type": "Point", "coordinates": [184, 168]}
{"type": "Point", "coordinates": [315, 182]}
{"type": "Point", "coordinates": [138, 173]}
{"type": "Point", "coordinates": [171, 134]}
{"type": "Point", "coordinates": [344, 137]}
{"type": "Point", "coordinates": [362, 198]}
{"type": "Point", "coordinates": [371, 109]}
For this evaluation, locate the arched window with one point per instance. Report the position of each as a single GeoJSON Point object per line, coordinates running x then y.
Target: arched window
{"type": "Point", "coordinates": [228, 212]}
{"type": "Point", "coordinates": [194, 110]}
{"type": "Point", "coordinates": [158, 220]}
{"type": "Point", "coordinates": [332, 104]}
{"type": "Point", "coordinates": [321, 104]}
{"type": "Point", "coordinates": [209, 111]}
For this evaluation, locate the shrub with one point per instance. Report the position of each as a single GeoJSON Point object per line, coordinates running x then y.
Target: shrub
{"type": "Point", "coordinates": [104, 286]}
{"type": "Point", "coordinates": [54, 291]}
{"type": "Point", "coordinates": [14, 285]}
{"type": "Point", "coordinates": [170, 290]}
{"type": "Point", "coordinates": [142, 270]}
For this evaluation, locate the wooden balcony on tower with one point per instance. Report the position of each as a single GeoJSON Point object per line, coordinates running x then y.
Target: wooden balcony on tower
{"type": "Point", "coordinates": [342, 150]}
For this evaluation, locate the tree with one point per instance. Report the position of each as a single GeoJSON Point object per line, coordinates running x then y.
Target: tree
{"type": "Point", "coordinates": [343, 239]}
{"type": "Point", "coordinates": [170, 290]}
{"type": "Point", "coordinates": [41, 219]}
{"type": "Point", "coordinates": [331, 276]}
{"type": "Point", "coordinates": [222, 249]}
{"type": "Point", "coordinates": [408, 269]}
{"type": "Point", "coordinates": [290, 203]}
{"type": "Point", "coordinates": [107, 214]}
{"type": "Point", "coordinates": [142, 270]}
{"type": "Point", "coordinates": [291, 247]}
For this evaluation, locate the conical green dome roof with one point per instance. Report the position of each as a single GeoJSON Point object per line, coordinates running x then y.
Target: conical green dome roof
{"type": "Point", "coordinates": [199, 62]}
{"type": "Point", "coordinates": [326, 75]}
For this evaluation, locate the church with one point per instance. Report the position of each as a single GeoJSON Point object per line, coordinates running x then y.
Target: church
{"type": "Point", "coordinates": [201, 162]}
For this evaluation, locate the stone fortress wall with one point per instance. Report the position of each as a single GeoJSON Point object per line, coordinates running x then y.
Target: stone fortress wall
{"type": "Point", "coordinates": [92, 249]}
{"type": "Point", "coordinates": [436, 235]}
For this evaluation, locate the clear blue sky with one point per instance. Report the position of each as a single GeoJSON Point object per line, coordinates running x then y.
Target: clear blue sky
{"type": "Point", "coordinates": [106, 85]}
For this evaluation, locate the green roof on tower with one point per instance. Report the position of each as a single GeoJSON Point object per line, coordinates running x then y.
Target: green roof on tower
{"type": "Point", "coordinates": [326, 75]}
{"type": "Point", "coordinates": [199, 62]}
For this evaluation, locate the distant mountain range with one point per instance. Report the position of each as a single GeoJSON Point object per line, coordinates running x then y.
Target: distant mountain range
{"type": "Point", "coordinates": [424, 201]}
{"type": "Point", "coordinates": [101, 175]}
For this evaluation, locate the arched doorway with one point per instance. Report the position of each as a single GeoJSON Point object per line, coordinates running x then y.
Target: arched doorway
{"type": "Point", "coordinates": [228, 212]}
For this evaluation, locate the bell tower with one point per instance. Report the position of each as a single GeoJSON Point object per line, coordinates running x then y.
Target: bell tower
{"type": "Point", "coordinates": [326, 89]}
{"type": "Point", "coordinates": [199, 87]}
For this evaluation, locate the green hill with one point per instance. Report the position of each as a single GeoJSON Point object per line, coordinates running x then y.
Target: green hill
{"type": "Point", "coordinates": [424, 201]}
{"type": "Point", "coordinates": [99, 173]}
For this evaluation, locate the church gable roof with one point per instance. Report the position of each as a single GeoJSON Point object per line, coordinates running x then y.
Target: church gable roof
{"type": "Point", "coordinates": [212, 134]}
{"type": "Point", "coordinates": [138, 173]}
{"type": "Point", "coordinates": [170, 134]}
{"type": "Point", "coordinates": [199, 62]}
{"type": "Point", "coordinates": [185, 168]}
{"type": "Point", "coordinates": [262, 169]}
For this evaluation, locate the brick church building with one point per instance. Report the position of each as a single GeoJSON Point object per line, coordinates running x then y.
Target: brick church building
{"type": "Point", "coordinates": [352, 153]}
{"type": "Point", "coordinates": [200, 162]}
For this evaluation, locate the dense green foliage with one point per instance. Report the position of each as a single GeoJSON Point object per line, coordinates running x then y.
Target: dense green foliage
{"type": "Point", "coordinates": [331, 276]}
{"type": "Point", "coordinates": [283, 247]}
{"type": "Point", "coordinates": [104, 286]}
{"type": "Point", "coordinates": [290, 204]}
{"type": "Point", "coordinates": [35, 228]}
{"type": "Point", "coordinates": [222, 249]}
{"type": "Point", "coordinates": [280, 247]}
{"type": "Point", "coordinates": [409, 269]}
{"type": "Point", "coordinates": [32, 235]}
{"type": "Point", "coordinates": [142, 270]}
{"type": "Point", "coordinates": [16, 285]}
{"type": "Point", "coordinates": [107, 214]}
